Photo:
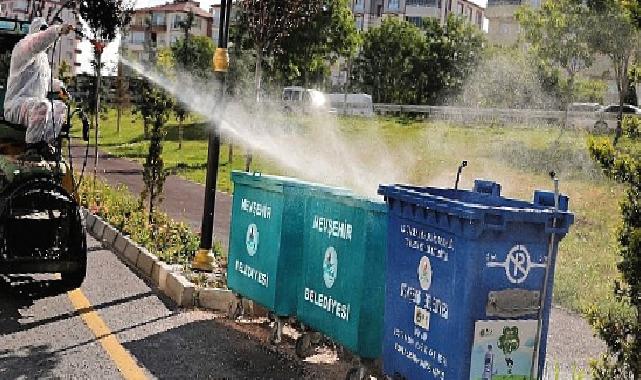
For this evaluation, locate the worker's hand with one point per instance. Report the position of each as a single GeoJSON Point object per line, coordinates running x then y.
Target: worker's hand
{"type": "Point", "coordinates": [66, 29]}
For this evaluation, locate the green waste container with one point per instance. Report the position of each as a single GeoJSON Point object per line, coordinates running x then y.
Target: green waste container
{"type": "Point", "coordinates": [342, 286]}
{"type": "Point", "coordinates": [265, 243]}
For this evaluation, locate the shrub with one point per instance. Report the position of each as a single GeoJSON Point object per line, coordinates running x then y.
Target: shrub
{"type": "Point", "coordinates": [173, 242]}
{"type": "Point", "coordinates": [632, 127]}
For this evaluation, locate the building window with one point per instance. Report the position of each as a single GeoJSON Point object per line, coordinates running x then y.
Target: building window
{"type": "Point", "coordinates": [137, 37]}
{"type": "Point", "coordinates": [158, 19]}
{"type": "Point", "coordinates": [416, 21]}
{"type": "Point", "coordinates": [359, 5]}
{"type": "Point", "coordinates": [479, 18]}
{"type": "Point", "coordinates": [393, 5]}
{"type": "Point", "coordinates": [461, 9]}
{"type": "Point", "coordinates": [20, 5]}
{"type": "Point", "coordinates": [178, 20]}
{"type": "Point", "coordinates": [424, 3]}
{"type": "Point", "coordinates": [359, 22]}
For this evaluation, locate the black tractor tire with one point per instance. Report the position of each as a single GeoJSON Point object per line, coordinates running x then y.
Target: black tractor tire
{"type": "Point", "coordinates": [73, 280]}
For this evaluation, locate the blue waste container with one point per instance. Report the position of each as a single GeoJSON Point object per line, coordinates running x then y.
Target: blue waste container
{"type": "Point", "coordinates": [466, 275]}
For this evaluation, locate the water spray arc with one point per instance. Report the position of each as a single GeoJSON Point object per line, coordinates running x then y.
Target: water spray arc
{"type": "Point", "coordinates": [203, 259]}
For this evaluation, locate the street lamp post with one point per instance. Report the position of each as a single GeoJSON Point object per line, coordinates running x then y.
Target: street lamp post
{"type": "Point", "coordinates": [204, 259]}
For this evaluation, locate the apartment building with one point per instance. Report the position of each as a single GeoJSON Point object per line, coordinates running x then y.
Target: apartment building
{"type": "Point", "coordinates": [67, 49]}
{"type": "Point", "coordinates": [503, 28]}
{"type": "Point", "coordinates": [159, 26]}
{"type": "Point", "coordinates": [369, 13]}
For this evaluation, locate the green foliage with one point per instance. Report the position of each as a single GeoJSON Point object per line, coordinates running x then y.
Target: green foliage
{"type": "Point", "coordinates": [589, 91]}
{"type": "Point", "coordinates": [194, 55]}
{"type": "Point", "coordinates": [106, 17]}
{"type": "Point", "coordinates": [304, 53]}
{"type": "Point", "coordinates": [632, 127]}
{"type": "Point", "coordinates": [154, 175]}
{"type": "Point", "coordinates": [173, 242]}
{"type": "Point", "coordinates": [621, 328]}
{"type": "Point", "coordinates": [400, 63]}
{"type": "Point", "coordinates": [558, 33]}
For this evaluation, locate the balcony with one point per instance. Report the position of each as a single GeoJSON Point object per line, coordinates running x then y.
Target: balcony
{"type": "Point", "coordinates": [491, 3]}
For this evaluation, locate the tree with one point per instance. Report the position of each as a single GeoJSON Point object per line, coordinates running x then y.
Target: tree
{"type": "Point", "coordinates": [105, 18]}
{"type": "Point", "coordinates": [400, 63]}
{"type": "Point", "coordinates": [620, 326]}
{"type": "Point", "coordinates": [123, 97]}
{"type": "Point", "coordinates": [192, 54]}
{"type": "Point", "coordinates": [614, 33]}
{"type": "Point", "coordinates": [451, 54]}
{"type": "Point", "coordinates": [330, 34]}
{"type": "Point", "coordinates": [558, 34]}
{"type": "Point", "coordinates": [159, 105]}
{"type": "Point", "coordinates": [388, 56]}
{"type": "Point", "coordinates": [268, 22]}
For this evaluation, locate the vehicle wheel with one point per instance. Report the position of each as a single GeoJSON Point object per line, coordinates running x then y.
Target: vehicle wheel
{"type": "Point", "coordinates": [304, 348]}
{"type": "Point", "coordinates": [73, 280]}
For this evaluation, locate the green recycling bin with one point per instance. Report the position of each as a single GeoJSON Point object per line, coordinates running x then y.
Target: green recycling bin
{"type": "Point", "coordinates": [265, 243]}
{"type": "Point", "coordinates": [343, 267]}
{"type": "Point", "coordinates": [266, 240]}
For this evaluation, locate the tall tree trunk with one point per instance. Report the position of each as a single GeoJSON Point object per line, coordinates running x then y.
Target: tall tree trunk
{"type": "Point", "coordinates": [230, 154]}
{"type": "Point", "coordinates": [569, 98]}
{"type": "Point", "coordinates": [118, 117]}
{"type": "Point", "coordinates": [97, 111]}
{"type": "Point", "coordinates": [180, 133]}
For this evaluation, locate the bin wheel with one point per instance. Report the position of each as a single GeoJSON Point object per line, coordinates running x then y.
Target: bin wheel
{"type": "Point", "coordinates": [236, 310]}
{"type": "Point", "coordinates": [357, 373]}
{"type": "Point", "coordinates": [344, 354]}
{"type": "Point", "coordinates": [304, 348]}
{"type": "Point", "coordinates": [276, 335]}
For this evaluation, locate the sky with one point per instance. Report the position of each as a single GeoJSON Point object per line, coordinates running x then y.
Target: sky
{"type": "Point", "coordinates": [112, 49]}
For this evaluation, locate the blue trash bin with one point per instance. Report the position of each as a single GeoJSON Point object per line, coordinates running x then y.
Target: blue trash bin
{"type": "Point", "coordinates": [466, 275]}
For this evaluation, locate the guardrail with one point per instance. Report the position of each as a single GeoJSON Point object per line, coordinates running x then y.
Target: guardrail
{"type": "Point", "coordinates": [487, 115]}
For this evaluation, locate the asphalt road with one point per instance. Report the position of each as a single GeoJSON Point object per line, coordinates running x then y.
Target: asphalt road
{"type": "Point", "coordinates": [44, 335]}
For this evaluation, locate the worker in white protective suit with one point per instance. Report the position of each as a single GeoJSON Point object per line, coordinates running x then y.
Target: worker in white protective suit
{"type": "Point", "coordinates": [29, 82]}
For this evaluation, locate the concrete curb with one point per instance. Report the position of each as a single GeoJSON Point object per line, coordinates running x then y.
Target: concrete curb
{"type": "Point", "coordinates": [166, 277]}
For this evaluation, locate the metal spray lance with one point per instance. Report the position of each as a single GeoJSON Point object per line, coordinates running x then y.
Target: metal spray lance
{"type": "Point", "coordinates": [539, 327]}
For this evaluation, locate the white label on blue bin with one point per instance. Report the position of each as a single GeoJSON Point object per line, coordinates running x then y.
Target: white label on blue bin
{"type": "Point", "coordinates": [421, 317]}
{"type": "Point", "coordinates": [517, 265]}
{"type": "Point", "coordinates": [425, 273]}
{"type": "Point", "coordinates": [251, 240]}
{"type": "Point", "coordinates": [427, 242]}
{"type": "Point", "coordinates": [330, 267]}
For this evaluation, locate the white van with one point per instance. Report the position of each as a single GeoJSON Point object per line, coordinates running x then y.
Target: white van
{"type": "Point", "coordinates": [303, 100]}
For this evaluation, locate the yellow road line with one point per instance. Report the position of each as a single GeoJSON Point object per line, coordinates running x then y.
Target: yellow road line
{"type": "Point", "coordinates": [123, 360]}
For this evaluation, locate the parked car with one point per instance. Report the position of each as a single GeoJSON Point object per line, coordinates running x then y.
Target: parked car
{"type": "Point", "coordinates": [607, 116]}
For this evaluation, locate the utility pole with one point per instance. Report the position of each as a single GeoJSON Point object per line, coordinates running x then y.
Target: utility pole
{"type": "Point", "coordinates": [204, 259]}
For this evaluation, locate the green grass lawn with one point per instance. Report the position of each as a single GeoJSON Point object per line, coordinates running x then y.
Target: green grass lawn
{"type": "Point", "coordinates": [518, 158]}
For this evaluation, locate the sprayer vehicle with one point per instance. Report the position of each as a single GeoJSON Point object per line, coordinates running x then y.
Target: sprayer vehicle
{"type": "Point", "coordinates": [305, 101]}
{"type": "Point", "coordinates": [41, 224]}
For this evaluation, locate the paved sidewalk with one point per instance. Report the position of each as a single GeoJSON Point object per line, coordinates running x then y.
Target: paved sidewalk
{"type": "Point", "coordinates": [183, 200]}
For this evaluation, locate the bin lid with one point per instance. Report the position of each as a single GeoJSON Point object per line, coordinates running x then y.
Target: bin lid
{"type": "Point", "coordinates": [348, 198]}
{"type": "Point", "coordinates": [276, 182]}
{"type": "Point", "coordinates": [485, 204]}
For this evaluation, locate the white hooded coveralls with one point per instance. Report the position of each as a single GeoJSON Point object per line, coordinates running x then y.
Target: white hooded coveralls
{"type": "Point", "coordinates": [29, 82]}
